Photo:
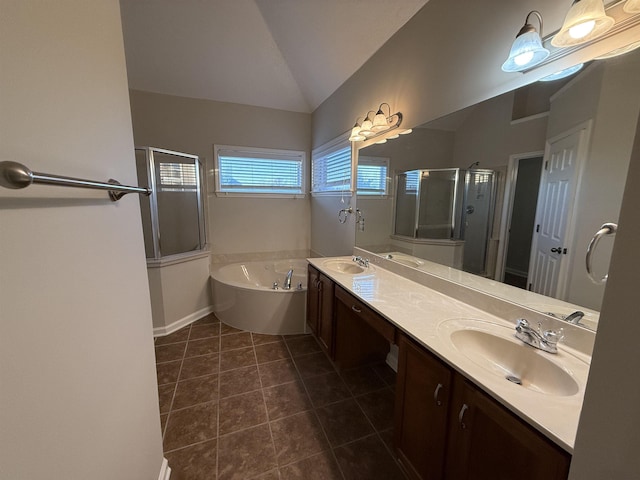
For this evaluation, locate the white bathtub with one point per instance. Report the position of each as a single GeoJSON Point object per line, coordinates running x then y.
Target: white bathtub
{"type": "Point", "coordinates": [244, 298]}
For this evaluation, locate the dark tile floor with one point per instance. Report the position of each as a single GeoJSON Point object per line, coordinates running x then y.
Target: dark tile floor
{"type": "Point", "coordinates": [237, 405]}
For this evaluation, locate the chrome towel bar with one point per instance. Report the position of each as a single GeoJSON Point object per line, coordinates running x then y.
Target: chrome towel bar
{"type": "Point", "coordinates": [606, 229]}
{"type": "Point", "coordinates": [15, 175]}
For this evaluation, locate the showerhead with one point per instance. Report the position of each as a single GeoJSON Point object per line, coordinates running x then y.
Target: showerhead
{"type": "Point", "coordinates": [474, 164]}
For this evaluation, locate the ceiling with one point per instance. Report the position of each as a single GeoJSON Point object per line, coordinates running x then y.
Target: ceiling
{"type": "Point", "coordinates": [283, 54]}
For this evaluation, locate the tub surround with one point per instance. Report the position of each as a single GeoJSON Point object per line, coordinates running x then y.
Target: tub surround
{"type": "Point", "coordinates": [419, 311]}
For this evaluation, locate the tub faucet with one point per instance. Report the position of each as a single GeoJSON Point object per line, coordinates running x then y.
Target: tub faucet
{"type": "Point", "coordinates": [287, 280]}
{"type": "Point", "coordinates": [546, 341]}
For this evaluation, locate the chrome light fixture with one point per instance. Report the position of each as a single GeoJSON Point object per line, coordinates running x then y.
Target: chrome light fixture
{"type": "Point", "coordinates": [632, 6]}
{"type": "Point", "coordinates": [375, 124]}
{"type": "Point", "coordinates": [527, 50]}
{"type": "Point", "coordinates": [585, 21]}
{"type": "Point", "coordinates": [564, 73]}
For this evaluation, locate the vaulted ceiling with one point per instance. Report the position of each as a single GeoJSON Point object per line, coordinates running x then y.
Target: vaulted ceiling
{"type": "Point", "coordinates": [283, 54]}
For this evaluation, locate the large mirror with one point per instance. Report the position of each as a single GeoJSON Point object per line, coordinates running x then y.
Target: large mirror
{"type": "Point", "coordinates": [547, 164]}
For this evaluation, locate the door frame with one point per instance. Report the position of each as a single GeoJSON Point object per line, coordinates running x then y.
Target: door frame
{"type": "Point", "coordinates": [507, 208]}
{"type": "Point", "coordinates": [570, 227]}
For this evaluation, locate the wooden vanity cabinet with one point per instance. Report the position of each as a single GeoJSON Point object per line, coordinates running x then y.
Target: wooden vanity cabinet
{"type": "Point", "coordinates": [423, 391]}
{"type": "Point", "coordinates": [320, 301]}
{"type": "Point", "coordinates": [488, 441]}
{"type": "Point", "coordinates": [362, 335]}
{"type": "Point", "coordinates": [457, 432]}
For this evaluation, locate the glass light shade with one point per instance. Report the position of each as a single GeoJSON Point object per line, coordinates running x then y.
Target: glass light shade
{"type": "Point", "coordinates": [355, 134]}
{"type": "Point", "coordinates": [619, 51]}
{"type": "Point", "coordinates": [585, 20]}
{"type": "Point", "coordinates": [526, 52]}
{"type": "Point", "coordinates": [366, 128]}
{"type": "Point", "coordinates": [405, 132]}
{"type": "Point", "coordinates": [562, 73]}
{"type": "Point", "coordinates": [632, 6]}
{"type": "Point", "coordinates": [384, 140]}
{"type": "Point", "coordinates": [379, 122]}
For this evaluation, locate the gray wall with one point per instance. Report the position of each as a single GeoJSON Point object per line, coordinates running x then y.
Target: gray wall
{"type": "Point", "coordinates": [78, 395]}
{"type": "Point", "coordinates": [235, 224]}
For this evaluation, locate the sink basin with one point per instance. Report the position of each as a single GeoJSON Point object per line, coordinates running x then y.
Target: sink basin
{"type": "Point", "coordinates": [343, 266]}
{"type": "Point", "coordinates": [494, 348]}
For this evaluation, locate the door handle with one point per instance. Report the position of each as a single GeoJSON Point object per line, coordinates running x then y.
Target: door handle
{"type": "Point", "coordinates": [435, 395]}
{"type": "Point", "coordinates": [557, 250]}
{"type": "Point", "coordinates": [464, 408]}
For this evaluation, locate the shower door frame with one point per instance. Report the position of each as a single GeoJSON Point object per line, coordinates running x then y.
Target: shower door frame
{"type": "Point", "coordinates": [153, 198]}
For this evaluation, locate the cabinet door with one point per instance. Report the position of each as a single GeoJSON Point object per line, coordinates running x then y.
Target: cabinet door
{"type": "Point", "coordinates": [423, 393]}
{"type": "Point", "coordinates": [325, 316]}
{"type": "Point", "coordinates": [313, 299]}
{"type": "Point", "coordinates": [488, 441]}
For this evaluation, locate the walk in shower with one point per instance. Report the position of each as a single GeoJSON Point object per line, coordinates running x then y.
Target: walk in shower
{"type": "Point", "coordinates": [172, 216]}
{"type": "Point", "coordinates": [448, 204]}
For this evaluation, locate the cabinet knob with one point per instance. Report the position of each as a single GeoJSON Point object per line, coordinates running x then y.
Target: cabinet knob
{"type": "Point", "coordinates": [436, 393]}
{"type": "Point", "coordinates": [464, 408]}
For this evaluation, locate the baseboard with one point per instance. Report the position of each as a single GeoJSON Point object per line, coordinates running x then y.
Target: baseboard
{"type": "Point", "coordinates": [178, 324]}
{"type": "Point", "coordinates": [165, 470]}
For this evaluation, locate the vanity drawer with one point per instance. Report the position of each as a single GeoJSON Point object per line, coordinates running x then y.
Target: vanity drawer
{"type": "Point", "coordinates": [373, 319]}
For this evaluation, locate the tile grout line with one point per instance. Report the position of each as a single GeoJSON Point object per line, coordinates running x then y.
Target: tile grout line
{"type": "Point", "coordinates": [315, 413]}
{"type": "Point", "coordinates": [266, 409]}
{"type": "Point", "coordinates": [173, 397]}
{"type": "Point", "coordinates": [218, 407]}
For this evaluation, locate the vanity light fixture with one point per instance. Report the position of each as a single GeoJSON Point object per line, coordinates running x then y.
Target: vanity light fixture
{"type": "Point", "coordinates": [585, 21]}
{"type": "Point", "coordinates": [562, 73]}
{"type": "Point", "coordinates": [375, 124]}
{"type": "Point", "coordinates": [526, 50]}
{"type": "Point", "coordinates": [367, 125]}
{"type": "Point", "coordinates": [632, 6]}
{"type": "Point", "coordinates": [356, 136]}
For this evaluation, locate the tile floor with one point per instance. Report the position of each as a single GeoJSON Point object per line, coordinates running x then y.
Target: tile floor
{"type": "Point", "coordinates": [237, 405]}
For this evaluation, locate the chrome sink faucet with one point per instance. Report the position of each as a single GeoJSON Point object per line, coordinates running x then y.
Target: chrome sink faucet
{"type": "Point", "coordinates": [546, 341]}
{"type": "Point", "coordinates": [287, 280]}
{"type": "Point", "coordinates": [363, 262]}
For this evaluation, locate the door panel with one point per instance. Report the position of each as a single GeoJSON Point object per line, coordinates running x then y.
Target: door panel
{"type": "Point", "coordinates": [553, 214]}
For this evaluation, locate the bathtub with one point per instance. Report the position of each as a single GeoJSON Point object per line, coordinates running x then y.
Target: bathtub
{"type": "Point", "coordinates": [244, 298]}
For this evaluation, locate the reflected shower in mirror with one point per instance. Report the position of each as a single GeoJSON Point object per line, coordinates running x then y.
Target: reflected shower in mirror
{"type": "Point", "coordinates": [558, 153]}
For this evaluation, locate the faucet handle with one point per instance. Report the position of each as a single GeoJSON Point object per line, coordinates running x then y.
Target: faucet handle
{"type": "Point", "coordinates": [522, 323]}
{"type": "Point", "coordinates": [552, 337]}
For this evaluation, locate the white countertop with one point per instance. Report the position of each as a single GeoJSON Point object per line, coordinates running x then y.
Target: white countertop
{"type": "Point", "coordinates": [426, 314]}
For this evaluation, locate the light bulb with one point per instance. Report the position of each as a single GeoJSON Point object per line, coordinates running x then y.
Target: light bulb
{"type": "Point", "coordinates": [523, 58]}
{"type": "Point", "coordinates": [582, 29]}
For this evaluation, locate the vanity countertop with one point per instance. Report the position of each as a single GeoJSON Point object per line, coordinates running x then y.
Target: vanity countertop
{"type": "Point", "coordinates": [428, 315]}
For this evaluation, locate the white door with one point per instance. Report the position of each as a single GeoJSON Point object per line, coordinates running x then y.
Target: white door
{"type": "Point", "coordinates": [547, 274]}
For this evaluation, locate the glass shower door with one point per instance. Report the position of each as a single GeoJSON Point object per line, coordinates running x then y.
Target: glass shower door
{"type": "Point", "coordinates": [173, 222]}
{"type": "Point", "coordinates": [477, 219]}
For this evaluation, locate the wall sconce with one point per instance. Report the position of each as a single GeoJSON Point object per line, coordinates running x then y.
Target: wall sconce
{"type": "Point", "coordinates": [632, 6]}
{"type": "Point", "coordinates": [585, 21]}
{"type": "Point", "coordinates": [526, 50]}
{"type": "Point", "coordinates": [375, 125]}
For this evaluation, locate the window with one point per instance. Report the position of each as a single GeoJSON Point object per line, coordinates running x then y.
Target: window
{"type": "Point", "coordinates": [178, 177]}
{"type": "Point", "coordinates": [259, 171]}
{"type": "Point", "coordinates": [372, 176]}
{"type": "Point", "coordinates": [331, 172]}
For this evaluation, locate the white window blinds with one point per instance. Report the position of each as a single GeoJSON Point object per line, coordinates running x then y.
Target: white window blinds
{"type": "Point", "coordinates": [372, 175]}
{"type": "Point", "coordinates": [259, 171]}
{"type": "Point", "coordinates": [332, 171]}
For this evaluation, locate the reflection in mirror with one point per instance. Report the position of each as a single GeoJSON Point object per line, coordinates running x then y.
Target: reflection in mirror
{"type": "Point", "coordinates": [559, 152]}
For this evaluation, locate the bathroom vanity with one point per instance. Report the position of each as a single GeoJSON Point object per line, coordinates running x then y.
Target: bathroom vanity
{"type": "Point", "coordinates": [456, 415]}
